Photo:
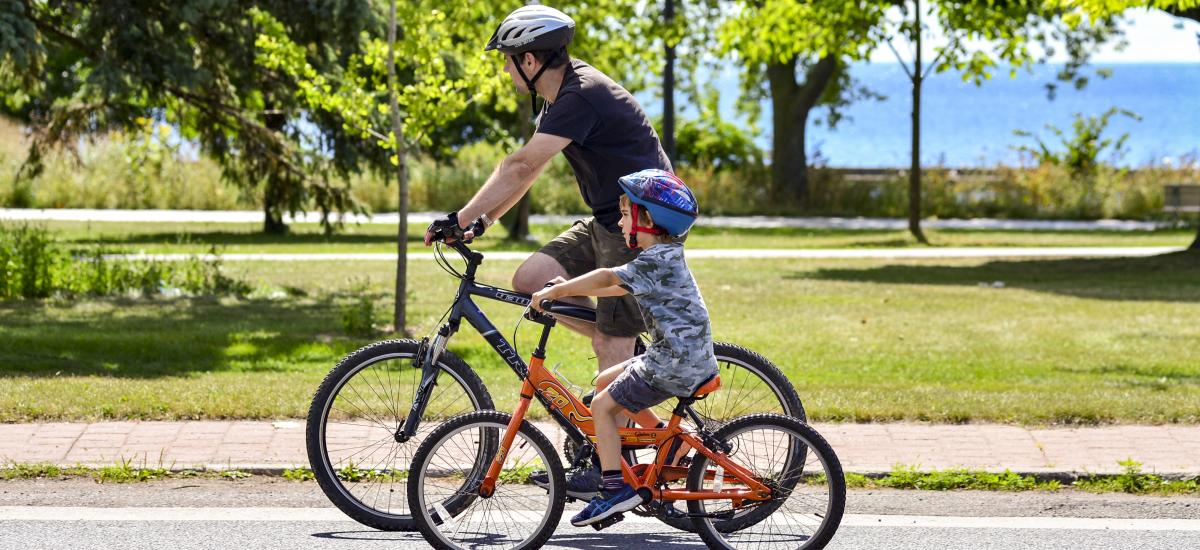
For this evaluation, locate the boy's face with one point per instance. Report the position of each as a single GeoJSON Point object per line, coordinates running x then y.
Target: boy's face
{"type": "Point", "coordinates": [626, 221]}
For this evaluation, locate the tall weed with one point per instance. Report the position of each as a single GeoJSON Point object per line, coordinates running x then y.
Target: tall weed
{"type": "Point", "coordinates": [33, 264]}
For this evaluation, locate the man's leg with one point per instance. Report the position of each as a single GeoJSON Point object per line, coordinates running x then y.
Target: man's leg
{"type": "Point", "coordinates": [532, 276]}
{"type": "Point", "coordinates": [539, 269]}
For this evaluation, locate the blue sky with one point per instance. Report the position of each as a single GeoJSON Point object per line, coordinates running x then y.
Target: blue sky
{"type": "Point", "coordinates": [1153, 36]}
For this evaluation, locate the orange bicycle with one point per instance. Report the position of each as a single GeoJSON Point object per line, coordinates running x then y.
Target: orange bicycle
{"type": "Point", "coordinates": [762, 480]}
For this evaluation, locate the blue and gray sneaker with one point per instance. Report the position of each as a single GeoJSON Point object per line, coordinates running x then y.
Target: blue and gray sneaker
{"type": "Point", "coordinates": [582, 483]}
{"type": "Point", "coordinates": [606, 505]}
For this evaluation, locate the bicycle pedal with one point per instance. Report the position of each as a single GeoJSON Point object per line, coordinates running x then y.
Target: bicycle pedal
{"type": "Point", "coordinates": [608, 522]}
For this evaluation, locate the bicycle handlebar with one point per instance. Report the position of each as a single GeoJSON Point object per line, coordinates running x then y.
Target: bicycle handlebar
{"type": "Point", "coordinates": [569, 310]}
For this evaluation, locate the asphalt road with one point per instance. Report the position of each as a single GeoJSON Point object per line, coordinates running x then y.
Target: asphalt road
{"type": "Point", "coordinates": [268, 513]}
{"type": "Point", "coordinates": [644, 535]}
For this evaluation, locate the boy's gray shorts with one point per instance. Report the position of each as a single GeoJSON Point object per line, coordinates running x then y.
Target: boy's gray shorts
{"type": "Point", "coordinates": [633, 393]}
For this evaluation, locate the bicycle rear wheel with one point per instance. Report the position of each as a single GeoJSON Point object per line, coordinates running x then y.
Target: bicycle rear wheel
{"type": "Point", "coordinates": [447, 472]}
{"type": "Point", "coordinates": [750, 383]}
{"type": "Point", "coordinates": [351, 434]}
{"type": "Point", "coordinates": [809, 489]}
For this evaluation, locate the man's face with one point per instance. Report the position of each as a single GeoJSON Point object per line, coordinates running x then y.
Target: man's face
{"type": "Point", "coordinates": [528, 64]}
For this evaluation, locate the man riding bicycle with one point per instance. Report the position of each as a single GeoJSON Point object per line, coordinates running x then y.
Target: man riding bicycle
{"type": "Point", "coordinates": [603, 133]}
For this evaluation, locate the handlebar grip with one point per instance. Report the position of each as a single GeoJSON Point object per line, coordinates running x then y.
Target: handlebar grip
{"type": "Point", "coordinates": [547, 304]}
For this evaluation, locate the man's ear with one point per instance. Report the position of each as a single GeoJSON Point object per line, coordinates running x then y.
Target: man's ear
{"type": "Point", "coordinates": [529, 60]}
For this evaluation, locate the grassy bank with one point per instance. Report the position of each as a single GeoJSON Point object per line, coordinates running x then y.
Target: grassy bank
{"type": "Point", "coordinates": [1058, 341]}
{"type": "Point", "coordinates": [308, 238]}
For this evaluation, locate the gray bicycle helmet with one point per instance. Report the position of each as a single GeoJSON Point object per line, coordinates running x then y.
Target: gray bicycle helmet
{"type": "Point", "coordinates": [533, 27]}
{"type": "Point", "coordinates": [530, 28]}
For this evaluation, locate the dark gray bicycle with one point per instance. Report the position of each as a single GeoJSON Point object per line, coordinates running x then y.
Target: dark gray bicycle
{"type": "Point", "coordinates": [377, 405]}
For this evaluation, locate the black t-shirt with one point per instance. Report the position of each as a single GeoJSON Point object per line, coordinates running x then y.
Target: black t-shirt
{"type": "Point", "coordinates": [610, 135]}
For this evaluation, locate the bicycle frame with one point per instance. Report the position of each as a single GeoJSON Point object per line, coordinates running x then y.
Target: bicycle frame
{"type": "Point", "coordinates": [572, 414]}
{"type": "Point", "coordinates": [464, 307]}
{"type": "Point", "coordinates": [562, 404]}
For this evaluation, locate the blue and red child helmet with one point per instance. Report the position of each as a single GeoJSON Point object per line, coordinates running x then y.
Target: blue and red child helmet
{"type": "Point", "coordinates": [671, 204]}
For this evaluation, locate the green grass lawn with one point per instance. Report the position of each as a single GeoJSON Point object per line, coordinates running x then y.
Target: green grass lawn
{"type": "Point", "coordinates": [1057, 341]}
{"type": "Point", "coordinates": [241, 238]}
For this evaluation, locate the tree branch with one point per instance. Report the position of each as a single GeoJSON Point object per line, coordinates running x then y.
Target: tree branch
{"type": "Point", "coordinates": [901, 60]}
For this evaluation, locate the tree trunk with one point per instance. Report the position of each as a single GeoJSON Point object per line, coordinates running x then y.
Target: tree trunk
{"type": "Point", "coordinates": [1196, 243]}
{"type": "Point", "coordinates": [399, 320]}
{"type": "Point", "coordinates": [791, 102]}
{"type": "Point", "coordinates": [668, 137]}
{"type": "Point", "coordinates": [274, 188]}
{"type": "Point", "coordinates": [914, 174]}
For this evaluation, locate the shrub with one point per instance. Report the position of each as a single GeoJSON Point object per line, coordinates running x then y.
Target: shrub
{"type": "Point", "coordinates": [34, 265]}
{"type": "Point", "coordinates": [358, 317]}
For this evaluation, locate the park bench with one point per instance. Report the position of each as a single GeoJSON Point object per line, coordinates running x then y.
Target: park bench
{"type": "Point", "coordinates": [1181, 198]}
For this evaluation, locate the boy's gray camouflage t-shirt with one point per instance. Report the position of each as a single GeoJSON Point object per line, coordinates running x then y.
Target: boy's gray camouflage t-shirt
{"type": "Point", "coordinates": [680, 357]}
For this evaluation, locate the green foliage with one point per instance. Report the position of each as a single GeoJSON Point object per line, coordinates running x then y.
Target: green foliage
{"type": "Point", "coordinates": [1081, 151]}
{"type": "Point", "coordinates": [440, 67]}
{"type": "Point", "coordinates": [299, 474]}
{"type": "Point", "coordinates": [82, 69]}
{"type": "Point", "coordinates": [1132, 480]}
{"type": "Point", "coordinates": [235, 474]}
{"type": "Point", "coordinates": [359, 317]}
{"type": "Point", "coordinates": [34, 265]}
{"type": "Point", "coordinates": [710, 141]}
{"type": "Point", "coordinates": [125, 472]}
{"type": "Point", "coordinates": [29, 262]}
{"type": "Point", "coordinates": [909, 477]}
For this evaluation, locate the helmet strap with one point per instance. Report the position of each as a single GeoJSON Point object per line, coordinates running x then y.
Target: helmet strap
{"type": "Point", "coordinates": [529, 82]}
{"type": "Point", "coordinates": [633, 212]}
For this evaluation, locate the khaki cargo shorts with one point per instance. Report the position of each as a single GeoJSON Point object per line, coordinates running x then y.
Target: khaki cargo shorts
{"type": "Point", "coordinates": [585, 246]}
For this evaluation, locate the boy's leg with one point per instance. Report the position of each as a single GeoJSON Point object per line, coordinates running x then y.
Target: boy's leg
{"type": "Point", "coordinates": [646, 418]}
{"type": "Point", "coordinates": [608, 442]}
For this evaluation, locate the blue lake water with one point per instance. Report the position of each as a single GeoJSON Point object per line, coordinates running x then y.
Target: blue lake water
{"type": "Point", "coordinates": [968, 125]}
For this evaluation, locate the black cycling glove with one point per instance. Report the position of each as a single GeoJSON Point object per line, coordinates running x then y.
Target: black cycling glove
{"type": "Point", "coordinates": [478, 227]}
{"type": "Point", "coordinates": [446, 227]}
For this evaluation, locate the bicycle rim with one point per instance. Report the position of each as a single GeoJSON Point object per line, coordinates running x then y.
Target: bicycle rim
{"type": "Point", "coordinates": [448, 480]}
{"type": "Point", "coordinates": [359, 422]}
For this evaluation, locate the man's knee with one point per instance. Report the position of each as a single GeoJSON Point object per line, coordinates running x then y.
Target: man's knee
{"type": "Point", "coordinates": [535, 272]}
{"type": "Point", "coordinates": [617, 346]}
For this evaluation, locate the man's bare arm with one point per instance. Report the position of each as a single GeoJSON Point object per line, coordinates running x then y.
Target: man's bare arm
{"type": "Point", "coordinates": [513, 178]}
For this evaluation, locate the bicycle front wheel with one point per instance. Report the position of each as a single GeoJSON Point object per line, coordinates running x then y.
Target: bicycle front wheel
{"type": "Point", "coordinates": [448, 470]}
{"type": "Point", "coordinates": [353, 450]}
{"type": "Point", "coordinates": [805, 477]}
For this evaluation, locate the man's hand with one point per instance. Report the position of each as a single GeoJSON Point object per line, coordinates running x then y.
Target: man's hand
{"type": "Point", "coordinates": [447, 227]}
{"type": "Point", "coordinates": [548, 293]}
{"type": "Point", "coordinates": [476, 228]}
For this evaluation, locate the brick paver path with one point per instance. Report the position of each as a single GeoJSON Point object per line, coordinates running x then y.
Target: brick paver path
{"type": "Point", "coordinates": [861, 447]}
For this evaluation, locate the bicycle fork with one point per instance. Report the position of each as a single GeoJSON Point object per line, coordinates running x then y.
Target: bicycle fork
{"type": "Point", "coordinates": [427, 355]}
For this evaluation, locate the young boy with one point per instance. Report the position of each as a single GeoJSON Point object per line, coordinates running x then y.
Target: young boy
{"type": "Point", "coordinates": [656, 211]}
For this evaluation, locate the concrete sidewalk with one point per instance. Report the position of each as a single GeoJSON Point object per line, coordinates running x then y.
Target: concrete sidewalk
{"type": "Point", "coordinates": [862, 448]}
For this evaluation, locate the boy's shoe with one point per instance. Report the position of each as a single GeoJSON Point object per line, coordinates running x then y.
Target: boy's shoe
{"type": "Point", "coordinates": [582, 483]}
{"type": "Point", "coordinates": [607, 505]}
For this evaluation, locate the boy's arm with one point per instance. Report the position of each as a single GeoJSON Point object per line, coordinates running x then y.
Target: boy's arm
{"type": "Point", "coordinates": [599, 282]}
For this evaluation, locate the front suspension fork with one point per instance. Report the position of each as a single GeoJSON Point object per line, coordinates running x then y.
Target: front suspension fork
{"type": "Point", "coordinates": [427, 360]}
